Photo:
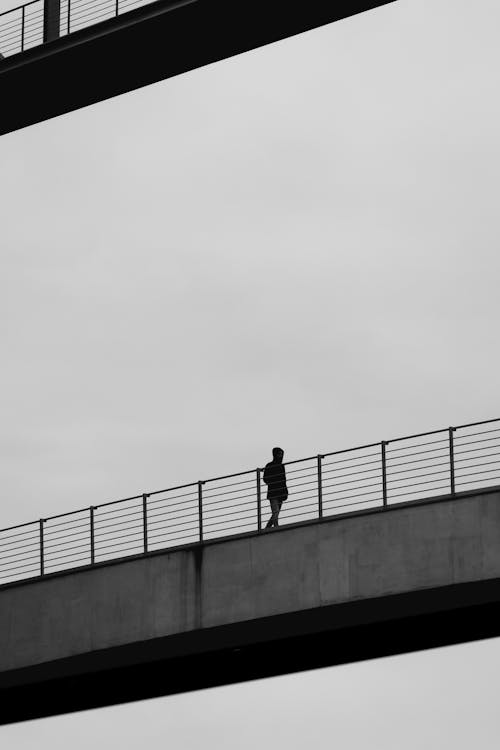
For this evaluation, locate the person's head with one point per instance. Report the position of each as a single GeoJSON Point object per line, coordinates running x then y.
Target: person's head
{"type": "Point", "coordinates": [278, 454]}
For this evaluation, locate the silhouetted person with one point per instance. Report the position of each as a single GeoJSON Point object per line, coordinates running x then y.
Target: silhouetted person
{"type": "Point", "coordinates": [277, 492]}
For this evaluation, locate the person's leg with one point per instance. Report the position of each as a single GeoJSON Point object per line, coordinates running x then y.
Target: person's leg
{"type": "Point", "coordinates": [270, 522]}
{"type": "Point", "coordinates": [279, 503]}
{"type": "Point", "coordinates": [275, 509]}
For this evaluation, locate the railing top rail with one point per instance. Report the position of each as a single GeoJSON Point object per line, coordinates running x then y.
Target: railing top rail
{"type": "Point", "coordinates": [418, 435]}
{"type": "Point", "coordinates": [19, 7]}
{"type": "Point", "coordinates": [248, 471]}
{"type": "Point", "coordinates": [62, 515]}
{"type": "Point", "coordinates": [82, 510]}
{"type": "Point", "coordinates": [168, 489]}
{"type": "Point", "coordinates": [350, 450]}
{"type": "Point", "coordinates": [299, 460]}
{"type": "Point", "coordinates": [114, 502]}
{"type": "Point", "coordinates": [230, 476]}
{"type": "Point", "coordinates": [476, 424]}
{"type": "Point", "coordinates": [19, 526]}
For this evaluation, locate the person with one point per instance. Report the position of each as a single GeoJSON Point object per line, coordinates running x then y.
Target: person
{"type": "Point", "coordinates": [277, 491]}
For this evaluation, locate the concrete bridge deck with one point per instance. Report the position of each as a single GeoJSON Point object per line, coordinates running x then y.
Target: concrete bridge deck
{"type": "Point", "coordinates": [414, 575]}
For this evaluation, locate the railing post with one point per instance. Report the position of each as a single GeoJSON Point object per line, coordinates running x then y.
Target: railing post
{"type": "Point", "coordinates": [320, 488]}
{"type": "Point", "coordinates": [22, 29]}
{"type": "Point", "coordinates": [69, 16]}
{"type": "Point", "coordinates": [51, 20]}
{"type": "Point", "coordinates": [259, 502]}
{"type": "Point", "coordinates": [451, 430]}
{"type": "Point", "coordinates": [41, 547]}
{"type": "Point", "coordinates": [145, 521]}
{"type": "Point", "coordinates": [384, 473]}
{"type": "Point", "coordinates": [92, 540]}
{"type": "Point", "coordinates": [116, 7]}
{"type": "Point", "coordinates": [200, 510]}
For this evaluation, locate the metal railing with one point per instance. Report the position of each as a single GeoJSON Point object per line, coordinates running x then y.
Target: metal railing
{"type": "Point", "coordinates": [25, 27]}
{"type": "Point", "coordinates": [21, 28]}
{"type": "Point", "coordinates": [366, 478]}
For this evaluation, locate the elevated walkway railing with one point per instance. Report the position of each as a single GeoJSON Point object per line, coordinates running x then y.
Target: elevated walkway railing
{"type": "Point", "coordinates": [41, 21]}
{"type": "Point", "coordinates": [365, 478]}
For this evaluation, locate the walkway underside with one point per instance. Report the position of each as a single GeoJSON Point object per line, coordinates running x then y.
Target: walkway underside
{"type": "Point", "coordinates": [147, 45]}
{"type": "Point", "coordinates": [282, 644]}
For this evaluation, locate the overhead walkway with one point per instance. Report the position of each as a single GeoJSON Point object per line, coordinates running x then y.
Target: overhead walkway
{"type": "Point", "coordinates": [384, 549]}
{"type": "Point", "coordinates": [368, 478]}
{"type": "Point", "coordinates": [61, 55]}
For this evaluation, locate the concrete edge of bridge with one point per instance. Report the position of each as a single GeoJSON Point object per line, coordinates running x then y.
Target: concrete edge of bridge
{"type": "Point", "coordinates": [282, 644]}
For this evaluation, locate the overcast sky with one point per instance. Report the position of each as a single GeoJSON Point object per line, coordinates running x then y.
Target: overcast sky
{"type": "Point", "coordinates": [297, 246]}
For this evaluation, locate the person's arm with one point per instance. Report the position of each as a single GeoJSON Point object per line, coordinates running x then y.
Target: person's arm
{"type": "Point", "coordinates": [284, 479]}
{"type": "Point", "coordinates": [265, 476]}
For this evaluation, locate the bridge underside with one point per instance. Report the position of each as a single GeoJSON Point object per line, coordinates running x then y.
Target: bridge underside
{"type": "Point", "coordinates": [147, 45]}
{"type": "Point", "coordinates": [282, 644]}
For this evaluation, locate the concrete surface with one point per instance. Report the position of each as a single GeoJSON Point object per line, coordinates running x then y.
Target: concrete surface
{"type": "Point", "coordinates": [359, 557]}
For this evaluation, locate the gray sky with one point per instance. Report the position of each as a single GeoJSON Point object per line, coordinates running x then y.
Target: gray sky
{"type": "Point", "coordinates": [297, 246]}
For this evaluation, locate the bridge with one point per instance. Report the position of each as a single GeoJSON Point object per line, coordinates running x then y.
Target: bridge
{"type": "Point", "coordinates": [59, 55]}
{"type": "Point", "coordinates": [382, 549]}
